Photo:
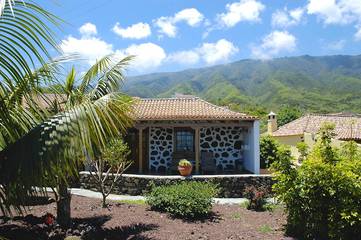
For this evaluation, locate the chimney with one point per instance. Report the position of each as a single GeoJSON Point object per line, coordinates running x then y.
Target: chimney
{"type": "Point", "coordinates": [271, 123]}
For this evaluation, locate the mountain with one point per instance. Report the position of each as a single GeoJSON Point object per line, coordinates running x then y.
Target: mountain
{"type": "Point", "coordinates": [312, 84]}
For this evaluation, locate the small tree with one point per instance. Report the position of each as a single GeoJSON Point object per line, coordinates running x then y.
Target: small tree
{"type": "Point", "coordinates": [109, 166]}
{"type": "Point", "coordinates": [268, 151]}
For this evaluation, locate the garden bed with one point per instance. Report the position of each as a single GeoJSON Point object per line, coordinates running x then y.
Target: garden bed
{"type": "Point", "coordinates": [128, 220]}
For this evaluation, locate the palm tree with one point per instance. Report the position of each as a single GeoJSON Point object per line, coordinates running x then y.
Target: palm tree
{"type": "Point", "coordinates": [106, 113]}
{"type": "Point", "coordinates": [36, 147]}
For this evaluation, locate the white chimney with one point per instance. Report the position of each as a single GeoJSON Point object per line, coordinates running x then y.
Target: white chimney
{"type": "Point", "coordinates": [271, 123]}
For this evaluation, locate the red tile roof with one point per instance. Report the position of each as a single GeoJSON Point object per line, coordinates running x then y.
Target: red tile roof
{"type": "Point", "coordinates": [183, 108]}
{"type": "Point", "coordinates": [347, 126]}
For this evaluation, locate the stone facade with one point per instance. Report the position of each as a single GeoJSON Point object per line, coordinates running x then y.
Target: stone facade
{"type": "Point", "coordinates": [226, 143]}
{"type": "Point", "coordinates": [230, 185]}
{"type": "Point", "coordinates": [160, 148]}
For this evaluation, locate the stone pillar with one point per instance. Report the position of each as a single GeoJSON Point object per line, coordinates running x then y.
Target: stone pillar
{"type": "Point", "coordinates": [197, 149]}
{"type": "Point", "coordinates": [140, 149]}
{"type": "Point", "coordinates": [252, 151]}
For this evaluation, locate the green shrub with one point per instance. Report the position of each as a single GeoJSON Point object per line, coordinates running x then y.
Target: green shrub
{"type": "Point", "coordinates": [323, 195]}
{"type": "Point", "coordinates": [186, 200]}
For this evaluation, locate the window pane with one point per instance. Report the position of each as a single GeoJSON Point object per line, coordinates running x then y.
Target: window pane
{"type": "Point", "coordinates": [184, 141]}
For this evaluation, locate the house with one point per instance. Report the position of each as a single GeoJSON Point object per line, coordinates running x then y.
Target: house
{"type": "Point", "coordinates": [304, 129]}
{"type": "Point", "coordinates": [169, 129]}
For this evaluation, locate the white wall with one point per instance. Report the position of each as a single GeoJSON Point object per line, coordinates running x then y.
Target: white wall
{"type": "Point", "coordinates": [251, 153]}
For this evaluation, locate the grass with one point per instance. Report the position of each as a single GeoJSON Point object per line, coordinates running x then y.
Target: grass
{"type": "Point", "coordinates": [244, 204]}
{"type": "Point", "coordinates": [236, 215]}
{"type": "Point", "coordinates": [267, 207]}
{"type": "Point", "coordinates": [271, 207]}
{"type": "Point", "coordinates": [265, 229]}
{"type": "Point", "coordinates": [132, 202]}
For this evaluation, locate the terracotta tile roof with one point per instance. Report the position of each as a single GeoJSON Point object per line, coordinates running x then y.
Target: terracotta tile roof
{"type": "Point", "coordinates": [188, 108]}
{"type": "Point", "coordinates": [47, 100]}
{"type": "Point", "coordinates": [311, 123]}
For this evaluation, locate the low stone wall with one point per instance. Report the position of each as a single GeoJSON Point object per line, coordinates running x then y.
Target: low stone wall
{"type": "Point", "coordinates": [133, 184]}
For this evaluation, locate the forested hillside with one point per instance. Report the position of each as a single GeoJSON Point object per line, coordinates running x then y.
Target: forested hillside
{"type": "Point", "coordinates": [310, 84]}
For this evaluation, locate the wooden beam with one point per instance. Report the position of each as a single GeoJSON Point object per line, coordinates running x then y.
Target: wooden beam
{"type": "Point", "coordinates": [140, 149]}
{"type": "Point", "coordinates": [197, 149]}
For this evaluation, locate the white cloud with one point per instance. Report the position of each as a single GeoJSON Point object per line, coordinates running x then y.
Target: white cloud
{"type": "Point", "coordinates": [284, 18]}
{"type": "Point", "coordinates": [135, 31]}
{"type": "Point", "coordinates": [339, 12]}
{"type": "Point", "coordinates": [336, 12]}
{"type": "Point", "coordinates": [147, 56]}
{"type": "Point", "coordinates": [217, 52]}
{"type": "Point", "coordinates": [210, 53]}
{"type": "Point", "coordinates": [88, 29]}
{"type": "Point", "coordinates": [244, 10]}
{"type": "Point", "coordinates": [189, 15]}
{"type": "Point", "coordinates": [327, 10]}
{"type": "Point", "coordinates": [358, 34]}
{"type": "Point", "coordinates": [91, 48]}
{"type": "Point", "coordinates": [167, 25]}
{"type": "Point", "coordinates": [273, 44]}
{"type": "Point", "coordinates": [184, 57]}
{"type": "Point", "coordinates": [88, 47]}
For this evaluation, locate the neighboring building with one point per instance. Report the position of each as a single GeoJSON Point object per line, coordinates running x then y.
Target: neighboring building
{"type": "Point", "coordinates": [304, 129]}
{"type": "Point", "coordinates": [168, 129]}
{"type": "Point", "coordinates": [49, 101]}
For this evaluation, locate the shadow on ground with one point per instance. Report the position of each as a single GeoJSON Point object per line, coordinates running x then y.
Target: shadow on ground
{"type": "Point", "coordinates": [33, 228]}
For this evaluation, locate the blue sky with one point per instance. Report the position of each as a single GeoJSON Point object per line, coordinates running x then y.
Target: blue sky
{"type": "Point", "coordinates": [174, 35]}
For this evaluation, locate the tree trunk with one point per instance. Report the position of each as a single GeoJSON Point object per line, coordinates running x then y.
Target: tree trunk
{"type": "Point", "coordinates": [104, 202]}
{"type": "Point", "coordinates": [63, 205]}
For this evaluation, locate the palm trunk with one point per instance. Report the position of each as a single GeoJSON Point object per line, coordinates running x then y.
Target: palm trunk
{"type": "Point", "coordinates": [63, 206]}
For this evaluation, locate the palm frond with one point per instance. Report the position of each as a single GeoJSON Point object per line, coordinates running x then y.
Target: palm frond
{"type": "Point", "coordinates": [25, 37]}
{"type": "Point", "coordinates": [93, 72]}
{"type": "Point", "coordinates": [111, 79]}
{"type": "Point", "coordinates": [59, 142]}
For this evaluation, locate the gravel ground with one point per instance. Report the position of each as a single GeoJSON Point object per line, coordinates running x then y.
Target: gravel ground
{"type": "Point", "coordinates": [136, 221]}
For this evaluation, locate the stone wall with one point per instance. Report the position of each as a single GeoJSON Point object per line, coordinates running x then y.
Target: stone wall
{"type": "Point", "coordinates": [160, 148]}
{"type": "Point", "coordinates": [225, 143]}
{"type": "Point", "coordinates": [132, 184]}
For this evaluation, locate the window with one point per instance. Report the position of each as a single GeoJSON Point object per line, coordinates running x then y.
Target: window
{"type": "Point", "coordinates": [184, 140]}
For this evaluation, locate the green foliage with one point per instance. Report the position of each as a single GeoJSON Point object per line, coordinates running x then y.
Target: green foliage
{"type": "Point", "coordinates": [236, 215]}
{"type": "Point", "coordinates": [268, 151]}
{"type": "Point", "coordinates": [115, 152]}
{"type": "Point", "coordinates": [186, 200]}
{"type": "Point", "coordinates": [132, 202]}
{"type": "Point", "coordinates": [303, 150]}
{"type": "Point", "coordinates": [111, 161]}
{"type": "Point", "coordinates": [287, 114]}
{"type": "Point", "coordinates": [265, 229]}
{"type": "Point", "coordinates": [323, 195]}
{"type": "Point", "coordinates": [257, 197]}
{"type": "Point", "coordinates": [184, 163]}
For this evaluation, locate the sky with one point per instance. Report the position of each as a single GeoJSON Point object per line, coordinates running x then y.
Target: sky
{"type": "Point", "coordinates": [172, 35]}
